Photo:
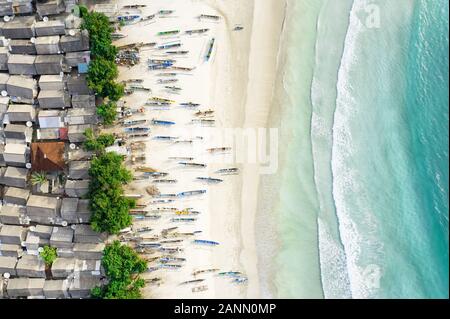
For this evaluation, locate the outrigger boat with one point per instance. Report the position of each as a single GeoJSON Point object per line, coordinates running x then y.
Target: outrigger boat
{"type": "Point", "coordinates": [143, 230]}
{"type": "Point", "coordinates": [182, 52]}
{"type": "Point", "coordinates": [197, 165]}
{"type": "Point", "coordinates": [157, 61]}
{"type": "Point", "coordinates": [156, 174]}
{"type": "Point", "coordinates": [187, 212]}
{"type": "Point", "coordinates": [219, 149]}
{"type": "Point", "coordinates": [210, 180]}
{"type": "Point", "coordinates": [206, 242]}
{"type": "Point", "coordinates": [165, 181]}
{"type": "Point", "coordinates": [133, 81]}
{"type": "Point", "coordinates": [145, 169]}
{"type": "Point", "coordinates": [134, 6]}
{"type": "Point", "coordinates": [198, 31]}
{"type": "Point", "coordinates": [165, 138]}
{"type": "Point", "coordinates": [136, 129]}
{"type": "Point", "coordinates": [191, 193]}
{"type": "Point", "coordinates": [162, 123]}
{"type": "Point", "coordinates": [210, 49]}
{"type": "Point", "coordinates": [169, 46]}
{"type": "Point", "coordinates": [207, 271]}
{"type": "Point", "coordinates": [166, 196]}
{"type": "Point", "coordinates": [190, 104]}
{"type": "Point", "coordinates": [195, 281]}
{"type": "Point", "coordinates": [204, 113]}
{"type": "Point", "coordinates": [149, 245]}
{"type": "Point", "coordinates": [173, 88]}
{"type": "Point", "coordinates": [180, 68]}
{"type": "Point", "coordinates": [170, 266]}
{"type": "Point", "coordinates": [181, 158]}
{"type": "Point", "coordinates": [167, 74]}
{"type": "Point", "coordinates": [171, 259]}
{"type": "Point", "coordinates": [167, 81]}
{"type": "Point", "coordinates": [134, 122]}
{"type": "Point", "coordinates": [172, 241]}
{"type": "Point", "coordinates": [163, 201]}
{"type": "Point", "coordinates": [210, 17]}
{"type": "Point", "coordinates": [183, 220]}
{"type": "Point", "coordinates": [165, 33]}
{"type": "Point", "coordinates": [163, 100]}
{"type": "Point", "coordinates": [228, 171]}
{"type": "Point", "coordinates": [157, 104]}
{"type": "Point", "coordinates": [160, 66]}
{"type": "Point", "coordinates": [230, 273]}
{"type": "Point", "coordinates": [171, 250]}
{"type": "Point", "coordinates": [129, 18]}
{"type": "Point", "coordinates": [116, 36]}
{"type": "Point", "coordinates": [145, 217]}
{"type": "Point", "coordinates": [184, 142]}
{"type": "Point", "coordinates": [200, 289]}
{"type": "Point", "coordinates": [204, 122]}
{"type": "Point", "coordinates": [165, 12]}
{"type": "Point", "coordinates": [142, 135]}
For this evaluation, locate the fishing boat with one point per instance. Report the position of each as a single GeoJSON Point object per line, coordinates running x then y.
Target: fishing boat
{"type": "Point", "coordinates": [143, 230]}
{"type": "Point", "coordinates": [170, 250]}
{"type": "Point", "coordinates": [147, 217]}
{"type": "Point", "coordinates": [158, 61]}
{"type": "Point", "coordinates": [145, 169]}
{"type": "Point", "coordinates": [219, 149]}
{"type": "Point", "coordinates": [187, 212]}
{"type": "Point", "coordinates": [159, 66]}
{"type": "Point", "coordinates": [166, 196]}
{"type": "Point", "coordinates": [200, 289]}
{"type": "Point", "coordinates": [240, 280]}
{"type": "Point", "coordinates": [152, 269]}
{"type": "Point", "coordinates": [156, 174]}
{"type": "Point", "coordinates": [184, 142]}
{"type": "Point", "coordinates": [182, 52]}
{"type": "Point", "coordinates": [238, 28]}
{"type": "Point", "coordinates": [230, 273]}
{"type": "Point", "coordinates": [206, 271]}
{"type": "Point", "coordinates": [196, 165]}
{"type": "Point", "coordinates": [134, 6]}
{"type": "Point", "coordinates": [116, 36]}
{"type": "Point", "coordinates": [149, 17]}
{"type": "Point", "coordinates": [228, 171]}
{"type": "Point", "coordinates": [166, 33]}
{"type": "Point", "coordinates": [136, 129]}
{"type": "Point", "coordinates": [157, 104]}
{"type": "Point", "coordinates": [204, 113]}
{"type": "Point", "coordinates": [210, 17]}
{"type": "Point", "coordinates": [191, 193]}
{"type": "Point", "coordinates": [172, 241]}
{"type": "Point", "coordinates": [165, 181]}
{"type": "Point", "coordinates": [134, 122]}
{"type": "Point", "coordinates": [178, 158]}
{"type": "Point", "coordinates": [170, 266]}
{"type": "Point", "coordinates": [167, 259]}
{"type": "Point", "coordinates": [149, 245]}
{"type": "Point", "coordinates": [210, 49]}
{"type": "Point", "coordinates": [204, 122]}
{"type": "Point", "coordinates": [139, 87]}
{"type": "Point", "coordinates": [165, 12]}
{"type": "Point", "coordinates": [162, 123]}
{"type": "Point", "coordinates": [195, 281]}
{"type": "Point", "coordinates": [142, 135]}
{"type": "Point", "coordinates": [165, 138]}
{"type": "Point", "coordinates": [167, 74]}
{"type": "Point", "coordinates": [183, 220]}
{"type": "Point", "coordinates": [197, 31]}
{"type": "Point", "coordinates": [206, 242]}
{"type": "Point", "coordinates": [169, 46]}
{"type": "Point", "coordinates": [159, 99]}
{"type": "Point", "coordinates": [163, 201]}
{"type": "Point", "coordinates": [129, 18]}
{"type": "Point", "coordinates": [173, 88]}
{"type": "Point", "coordinates": [168, 230]}
{"type": "Point", "coordinates": [190, 104]}
{"type": "Point", "coordinates": [210, 179]}
{"type": "Point", "coordinates": [181, 68]}
{"type": "Point", "coordinates": [167, 81]}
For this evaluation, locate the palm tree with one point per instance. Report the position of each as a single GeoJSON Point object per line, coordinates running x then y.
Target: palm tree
{"type": "Point", "coordinates": [38, 178]}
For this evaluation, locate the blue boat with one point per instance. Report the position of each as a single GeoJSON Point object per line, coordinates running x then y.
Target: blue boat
{"type": "Point", "coordinates": [163, 123]}
{"type": "Point", "coordinates": [137, 130]}
{"type": "Point", "coordinates": [192, 193]}
{"type": "Point", "coordinates": [129, 18]}
{"type": "Point", "coordinates": [206, 242]}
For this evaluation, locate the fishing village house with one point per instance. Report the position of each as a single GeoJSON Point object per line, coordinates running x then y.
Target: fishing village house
{"type": "Point", "coordinates": [45, 107]}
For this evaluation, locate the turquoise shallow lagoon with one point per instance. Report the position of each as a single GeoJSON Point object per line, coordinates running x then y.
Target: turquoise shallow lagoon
{"type": "Point", "coordinates": [359, 207]}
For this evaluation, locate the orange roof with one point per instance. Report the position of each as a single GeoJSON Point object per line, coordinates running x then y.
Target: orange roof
{"type": "Point", "coordinates": [48, 157]}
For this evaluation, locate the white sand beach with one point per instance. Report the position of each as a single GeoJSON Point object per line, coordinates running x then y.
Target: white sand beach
{"type": "Point", "coordinates": [237, 83]}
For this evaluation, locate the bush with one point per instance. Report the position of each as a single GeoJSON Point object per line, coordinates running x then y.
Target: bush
{"type": "Point", "coordinates": [108, 112]}
{"type": "Point", "coordinates": [101, 76]}
{"type": "Point", "coordinates": [110, 209]}
{"type": "Point", "coordinates": [48, 255]}
{"type": "Point", "coordinates": [97, 143]}
{"type": "Point", "coordinates": [122, 266]}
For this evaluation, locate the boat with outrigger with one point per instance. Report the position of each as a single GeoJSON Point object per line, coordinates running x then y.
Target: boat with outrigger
{"type": "Point", "coordinates": [165, 12]}
{"type": "Point", "coordinates": [205, 242]}
{"type": "Point", "coordinates": [228, 171]}
{"type": "Point", "coordinates": [131, 130]}
{"type": "Point", "coordinates": [210, 49]}
{"type": "Point", "coordinates": [206, 271]}
{"type": "Point", "coordinates": [165, 181]}
{"type": "Point", "coordinates": [191, 193]}
{"type": "Point", "coordinates": [166, 138]}
{"type": "Point", "coordinates": [204, 113]}
{"type": "Point", "coordinates": [194, 281]}
{"type": "Point", "coordinates": [162, 123]}
{"type": "Point", "coordinates": [156, 174]}
{"type": "Point", "coordinates": [209, 17]}
{"type": "Point", "coordinates": [133, 122]}
{"type": "Point", "coordinates": [219, 149]}
{"type": "Point", "coordinates": [210, 180]}
{"type": "Point", "coordinates": [196, 31]}
{"type": "Point", "coordinates": [181, 52]}
{"type": "Point", "coordinates": [168, 33]}
{"type": "Point", "coordinates": [193, 165]}
{"type": "Point", "coordinates": [183, 220]}
{"type": "Point", "coordinates": [190, 105]}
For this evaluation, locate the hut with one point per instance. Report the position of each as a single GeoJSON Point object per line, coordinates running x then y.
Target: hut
{"type": "Point", "coordinates": [75, 210]}
{"type": "Point", "coordinates": [16, 154]}
{"type": "Point", "coordinates": [22, 87]}
{"type": "Point", "coordinates": [79, 116]}
{"type": "Point", "coordinates": [10, 250]}
{"type": "Point", "coordinates": [51, 82]}
{"type": "Point", "coordinates": [48, 156]}
{"type": "Point", "coordinates": [4, 77]}
{"type": "Point", "coordinates": [4, 55]}
{"type": "Point", "coordinates": [25, 287]}
{"type": "Point", "coordinates": [14, 176]}
{"type": "Point", "coordinates": [22, 64]}
{"type": "Point", "coordinates": [11, 234]}
{"type": "Point", "coordinates": [77, 85]}
{"type": "Point", "coordinates": [32, 243]}
{"type": "Point", "coordinates": [12, 215]}
{"type": "Point", "coordinates": [73, 59]}
{"type": "Point", "coordinates": [47, 45]}
{"type": "Point", "coordinates": [77, 188]}
{"type": "Point", "coordinates": [85, 234]}
{"type": "Point", "coordinates": [62, 237]}
{"type": "Point", "coordinates": [43, 209]}
{"type": "Point", "coordinates": [56, 289]}
{"type": "Point", "coordinates": [83, 101]}
{"type": "Point", "coordinates": [89, 251]}
{"type": "Point", "coordinates": [30, 266]}
{"type": "Point", "coordinates": [42, 231]}
{"type": "Point", "coordinates": [8, 265]}
{"type": "Point", "coordinates": [18, 133]}
{"type": "Point", "coordinates": [76, 132]}
{"type": "Point", "coordinates": [79, 41]}
{"type": "Point", "coordinates": [63, 267]}
{"type": "Point", "coordinates": [48, 64]}
{"type": "Point", "coordinates": [22, 46]}
{"type": "Point", "coordinates": [21, 113]}
{"type": "Point", "coordinates": [50, 119]}
{"type": "Point", "coordinates": [16, 196]}
{"type": "Point", "coordinates": [48, 28]}
{"type": "Point", "coordinates": [82, 285]}
{"type": "Point", "coordinates": [19, 28]}
{"type": "Point", "coordinates": [50, 7]}
{"type": "Point", "coordinates": [53, 99]}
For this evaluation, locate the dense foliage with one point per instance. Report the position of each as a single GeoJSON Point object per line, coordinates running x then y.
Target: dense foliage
{"type": "Point", "coordinates": [110, 209]}
{"type": "Point", "coordinates": [122, 267]}
{"type": "Point", "coordinates": [97, 143]}
{"type": "Point", "coordinates": [48, 255]}
{"type": "Point", "coordinates": [108, 112]}
{"type": "Point", "coordinates": [101, 76]}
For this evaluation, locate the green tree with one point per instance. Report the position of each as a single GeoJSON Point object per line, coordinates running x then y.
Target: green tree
{"type": "Point", "coordinates": [97, 143]}
{"type": "Point", "coordinates": [110, 209]}
{"type": "Point", "coordinates": [100, 35]}
{"type": "Point", "coordinates": [114, 90]}
{"type": "Point", "coordinates": [48, 255]}
{"type": "Point", "coordinates": [38, 178]}
{"type": "Point", "coordinates": [108, 112]}
{"type": "Point", "coordinates": [101, 76]}
{"type": "Point", "coordinates": [122, 267]}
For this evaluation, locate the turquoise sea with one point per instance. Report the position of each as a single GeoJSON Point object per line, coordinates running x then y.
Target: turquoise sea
{"type": "Point", "coordinates": [359, 207]}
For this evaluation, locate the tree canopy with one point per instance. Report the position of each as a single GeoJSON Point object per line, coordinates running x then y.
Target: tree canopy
{"type": "Point", "coordinates": [101, 76]}
{"type": "Point", "coordinates": [122, 267]}
{"type": "Point", "coordinates": [48, 255]}
{"type": "Point", "coordinates": [108, 112]}
{"type": "Point", "coordinates": [97, 143]}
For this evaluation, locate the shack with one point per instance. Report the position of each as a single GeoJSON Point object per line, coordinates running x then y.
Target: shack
{"type": "Point", "coordinates": [30, 266]}
{"type": "Point", "coordinates": [48, 64]}
{"type": "Point", "coordinates": [51, 82]}
{"type": "Point", "coordinates": [51, 27]}
{"type": "Point", "coordinates": [85, 234]}
{"type": "Point", "coordinates": [4, 55]}
{"type": "Point", "coordinates": [50, 7]}
{"type": "Point", "coordinates": [80, 116]}
{"type": "Point", "coordinates": [14, 176]}
{"type": "Point", "coordinates": [73, 59]}
{"type": "Point", "coordinates": [75, 210]}
{"type": "Point", "coordinates": [22, 87]}
{"type": "Point", "coordinates": [22, 46]}
{"type": "Point", "coordinates": [25, 287]}
{"type": "Point", "coordinates": [47, 45]}
{"type": "Point", "coordinates": [21, 113]}
{"type": "Point", "coordinates": [19, 28]}
{"type": "Point", "coordinates": [48, 156]}
{"type": "Point", "coordinates": [9, 250]}
{"type": "Point", "coordinates": [63, 267]}
{"type": "Point", "coordinates": [22, 64]}
{"type": "Point", "coordinates": [62, 237]}
{"type": "Point", "coordinates": [12, 215]}
{"type": "Point", "coordinates": [16, 196]}
{"type": "Point", "coordinates": [16, 154]}
{"type": "Point", "coordinates": [77, 188]}
{"type": "Point", "coordinates": [3, 78]}
{"type": "Point", "coordinates": [77, 85]}
{"type": "Point", "coordinates": [10, 234]}
{"type": "Point", "coordinates": [83, 101]}
{"type": "Point", "coordinates": [43, 209]}
{"type": "Point", "coordinates": [79, 41]}
{"type": "Point", "coordinates": [76, 133]}
{"type": "Point", "coordinates": [50, 119]}
{"type": "Point", "coordinates": [8, 265]}
{"type": "Point", "coordinates": [89, 251]}
{"type": "Point", "coordinates": [18, 133]}
{"type": "Point", "coordinates": [56, 289]}
{"type": "Point", "coordinates": [53, 99]}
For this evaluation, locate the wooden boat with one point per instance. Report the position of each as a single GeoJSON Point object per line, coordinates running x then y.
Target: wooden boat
{"type": "Point", "coordinates": [210, 179]}
{"type": "Point", "coordinates": [184, 142]}
{"type": "Point", "coordinates": [162, 123]}
{"type": "Point", "coordinates": [187, 212]}
{"type": "Point", "coordinates": [197, 31]}
{"type": "Point", "coordinates": [230, 273]}
{"type": "Point", "coordinates": [170, 266]}
{"type": "Point", "coordinates": [158, 61]}
{"type": "Point", "coordinates": [169, 46]}
{"type": "Point", "coordinates": [165, 12]}
{"type": "Point", "coordinates": [165, 181]}
{"type": "Point", "coordinates": [195, 165]}
{"type": "Point", "coordinates": [116, 36]}
{"type": "Point", "coordinates": [238, 28]}
{"type": "Point", "coordinates": [204, 113]}
{"type": "Point", "coordinates": [133, 122]}
{"type": "Point", "coordinates": [129, 18]}
{"type": "Point", "coordinates": [156, 174]}
{"type": "Point", "coordinates": [143, 230]}
{"type": "Point", "coordinates": [167, 81]}
{"type": "Point", "coordinates": [191, 193]}
{"type": "Point", "coordinates": [210, 17]}
{"type": "Point", "coordinates": [159, 99]}
{"type": "Point", "coordinates": [163, 201]}
{"type": "Point", "coordinates": [228, 171]}
{"type": "Point", "coordinates": [173, 88]}
{"type": "Point", "coordinates": [183, 220]}
{"type": "Point", "coordinates": [167, 74]}
{"type": "Point", "coordinates": [172, 241]}
{"type": "Point", "coordinates": [138, 135]}
{"type": "Point", "coordinates": [200, 289]}
{"type": "Point", "coordinates": [145, 169]}
{"type": "Point", "coordinates": [166, 196]}
{"type": "Point", "coordinates": [210, 49]}
{"type": "Point", "coordinates": [182, 52]}
{"type": "Point", "coordinates": [219, 149]}
{"type": "Point", "coordinates": [206, 271]}
{"type": "Point", "coordinates": [204, 122]}
{"type": "Point", "coordinates": [168, 259]}
{"type": "Point", "coordinates": [136, 130]}
{"type": "Point", "coordinates": [165, 138]}
{"type": "Point", "coordinates": [160, 66]}
{"type": "Point", "coordinates": [180, 68]}
{"type": "Point", "coordinates": [166, 33]}
{"type": "Point", "coordinates": [134, 6]}
{"type": "Point", "coordinates": [194, 281]}
{"type": "Point", "coordinates": [205, 242]}
{"type": "Point", "coordinates": [190, 104]}
{"type": "Point", "coordinates": [181, 158]}
{"type": "Point", "coordinates": [171, 250]}
{"type": "Point", "coordinates": [240, 280]}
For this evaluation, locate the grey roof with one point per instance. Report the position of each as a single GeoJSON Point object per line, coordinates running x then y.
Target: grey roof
{"type": "Point", "coordinates": [62, 237]}
{"type": "Point", "coordinates": [42, 231]}
{"type": "Point", "coordinates": [56, 288]}
{"type": "Point", "coordinates": [24, 287]}
{"type": "Point", "coordinates": [15, 176]}
{"type": "Point", "coordinates": [52, 27]}
{"type": "Point", "coordinates": [10, 250]}
{"type": "Point", "coordinates": [12, 215]}
{"type": "Point", "coordinates": [17, 196]}
{"type": "Point", "coordinates": [88, 250]}
{"type": "Point", "coordinates": [63, 267]}
{"type": "Point", "coordinates": [30, 266]}
{"type": "Point", "coordinates": [42, 201]}
{"type": "Point", "coordinates": [81, 287]}
{"type": "Point", "coordinates": [75, 188]}
{"type": "Point", "coordinates": [8, 264]}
